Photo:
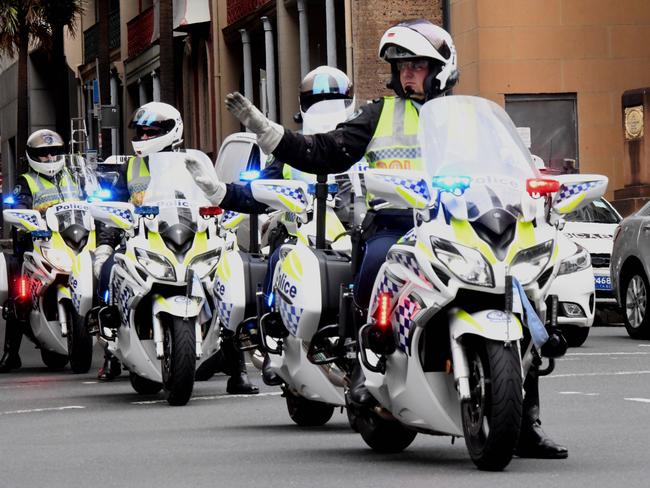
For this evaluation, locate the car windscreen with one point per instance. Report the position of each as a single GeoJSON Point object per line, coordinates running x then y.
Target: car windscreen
{"type": "Point", "coordinates": [597, 212]}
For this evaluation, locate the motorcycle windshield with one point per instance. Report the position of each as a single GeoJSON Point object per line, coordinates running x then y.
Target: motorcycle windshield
{"type": "Point", "coordinates": [470, 136]}
{"type": "Point", "coordinates": [325, 115]}
{"type": "Point", "coordinates": [67, 217]}
{"type": "Point", "coordinates": [84, 175]}
{"type": "Point", "coordinates": [172, 188]}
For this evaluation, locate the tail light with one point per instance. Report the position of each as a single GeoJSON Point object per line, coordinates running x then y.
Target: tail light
{"type": "Point", "coordinates": [210, 211]}
{"type": "Point", "coordinates": [22, 288]}
{"type": "Point", "coordinates": [382, 314]}
{"type": "Point", "coordinates": [541, 186]}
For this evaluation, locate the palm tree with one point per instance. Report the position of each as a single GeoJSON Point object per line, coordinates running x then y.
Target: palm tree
{"type": "Point", "coordinates": [59, 15]}
{"type": "Point", "coordinates": [21, 22]}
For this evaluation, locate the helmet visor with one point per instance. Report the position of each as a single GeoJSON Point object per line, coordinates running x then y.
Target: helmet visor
{"type": "Point", "coordinates": [149, 124]}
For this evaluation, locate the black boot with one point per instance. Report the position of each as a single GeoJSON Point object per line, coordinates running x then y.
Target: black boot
{"type": "Point", "coordinates": [235, 366]}
{"type": "Point", "coordinates": [13, 337]}
{"type": "Point", "coordinates": [111, 368]}
{"type": "Point", "coordinates": [359, 394]}
{"type": "Point", "coordinates": [533, 442]}
{"type": "Point", "coordinates": [268, 375]}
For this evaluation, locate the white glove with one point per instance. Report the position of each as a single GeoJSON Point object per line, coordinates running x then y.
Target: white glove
{"type": "Point", "coordinates": [207, 180]}
{"type": "Point", "coordinates": [268, 133]}
{"type": "Point", "coordinates": [102, 253]}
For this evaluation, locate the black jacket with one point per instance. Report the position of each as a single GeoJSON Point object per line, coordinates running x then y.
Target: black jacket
{"type": "Point", "coordinates": [332, 152]}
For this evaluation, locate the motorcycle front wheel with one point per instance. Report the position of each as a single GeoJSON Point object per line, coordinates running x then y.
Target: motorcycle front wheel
{"type": "Point", "coordinates": [179, 361]}
{"type": "Point", "coordinates": [492, 415]}
{"type": "Point", "coordinates": [80, 343]}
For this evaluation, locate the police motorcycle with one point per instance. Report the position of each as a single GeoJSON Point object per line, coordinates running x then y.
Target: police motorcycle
{"type": "Point", "coordinates": [164, 322]}
{"type": "Point", "coordinates": [46, 295]}
{"type": "Point", "coordinates": [458, 308]}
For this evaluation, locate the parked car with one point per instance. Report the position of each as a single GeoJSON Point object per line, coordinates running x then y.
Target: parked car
{"type": "Point", "coordinates": [630, 268]}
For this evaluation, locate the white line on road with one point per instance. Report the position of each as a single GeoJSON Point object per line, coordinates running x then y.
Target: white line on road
{"type": "Point", "coordinates": [613, 373]}
{"type": "Point", "coordinates": [213, 397]}
{"type": "Point", "coordinates": [577, 393]}
{"type": "Point", "coordinates": [37, 410]}
{"type": "Point", "coordinates": [634, 353]}
{"type": "Point", "coordinates": [642, 400]}
{"type": "Point", "coordinates": [90, 382]}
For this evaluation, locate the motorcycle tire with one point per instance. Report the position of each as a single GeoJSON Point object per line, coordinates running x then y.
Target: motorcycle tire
{"type": "Point", "coordinates": [80, 343]}
{"type": "Point", "coordinates": [308, 413]}
{"type": "Point", "coordinates": [143, 386]}
{"type": "Point", "coordinates": [54, 361]}
{"type": "Point", "coordinates": [179, 361]}
{"type": "Point", "coordinates": [382, 435]}
{"type": "Point", "coordinates": [492, 416]}
{"type": "Point", "coordinates": [575, 336]}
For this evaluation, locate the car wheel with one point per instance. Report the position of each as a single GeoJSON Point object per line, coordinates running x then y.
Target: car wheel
{"type": "Point", "coordinates": [637, 322]}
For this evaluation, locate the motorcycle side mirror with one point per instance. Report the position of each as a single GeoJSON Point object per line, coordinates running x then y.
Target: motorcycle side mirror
{"type": "Point", "coordinates": [24, 219]}
{"type": "Point", "coordinates": [118, 215]}
{"type": "Point", "coordinates": [577, 191]}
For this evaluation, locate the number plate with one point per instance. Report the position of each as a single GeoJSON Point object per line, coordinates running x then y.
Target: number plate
{"type": "Point", "coordinates": [603, 282]}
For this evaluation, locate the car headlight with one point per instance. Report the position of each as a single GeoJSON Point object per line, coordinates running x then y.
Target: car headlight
{"type": "Point", "coordinates": [61, 260]}
{"type": "Point", "coordinates": [577, 262]}
{"type": "Point", "coordinates": [156, 265]}
{"type": "Point", "coordinates": [529, 263]}
{"type": "Point", "coordinates": [204, 264]}
{"type": "Point", "coordinates": [466, 263]}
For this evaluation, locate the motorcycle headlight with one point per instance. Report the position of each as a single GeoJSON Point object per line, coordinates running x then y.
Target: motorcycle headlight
{"type": "Point", "coordinates": [466, 263]}
{"type": "Point", "coordinates": [156, 265]}
{"type": "Point", "coordinates": [204, 264]}
{"type": "Point", "coordinates": [529, 263]}
{"type": "Point", "coordinates": [61, 260]}
{"type": "Point", "coordinates": [579, 261]}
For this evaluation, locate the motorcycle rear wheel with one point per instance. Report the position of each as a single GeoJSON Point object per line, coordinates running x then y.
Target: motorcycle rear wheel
{"type": "Point", "coordinates": [80, 343]}
{"type": "Point", "coordinates": [179, 361]}
{"type": "Point", "coordinates": [53, 360]}
{"type": "Point", "coordinates": [382, 435]}
{"type": "Point", "coordinates": [308, 413]}
{"type": "Point", "coordinates": [143, 386]}
{"type": "Point", "coordinates": [492, 416]}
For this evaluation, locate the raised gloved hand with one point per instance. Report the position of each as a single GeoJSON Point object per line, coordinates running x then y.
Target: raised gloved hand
{"type": "Point", "coordinates": [206, 179]}
{"type": "Point", "coordinates": [102, 253]}
{"type": "Point", "coordinates": [268, 133]}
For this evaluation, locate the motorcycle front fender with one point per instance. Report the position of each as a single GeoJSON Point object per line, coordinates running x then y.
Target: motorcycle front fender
{"type": "Point", "coordinates": [496, 325]}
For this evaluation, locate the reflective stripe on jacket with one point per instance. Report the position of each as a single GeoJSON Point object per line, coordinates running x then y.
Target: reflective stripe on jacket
{"type": "Point", "coordinates": [46, 193]}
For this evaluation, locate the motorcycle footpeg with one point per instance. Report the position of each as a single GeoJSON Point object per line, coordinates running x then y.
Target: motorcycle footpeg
{"type": "Point", "coordinates": [108, 318]}
{"type": "Point", "coordinates": [247, 336]}
{"type": "Point", "coordinates": [326, 346]}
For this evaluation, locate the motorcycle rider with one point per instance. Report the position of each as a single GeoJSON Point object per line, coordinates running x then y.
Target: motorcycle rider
{"type": "Point", "coordinates": [159, 128]}
{"type": "Point", "coordinates": [321, 84]}
{"type": "Point", "coordinates": [46, 183]}
{"type": "Point", "coordinates": [423, 66]}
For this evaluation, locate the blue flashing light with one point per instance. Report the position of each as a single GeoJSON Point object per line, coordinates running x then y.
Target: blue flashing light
{"type": "Point", "coordinates": [270, 300]}
{"type": "Point", "coordinates": [41, 234]}
{"type": "Point", "coordinates": [331, 188]}
{"type": "Point", "coordinates": [9, 201]}
{"type": "Point", "coordinates": [107, 295]}
{"type": "Point", "coordinates": [147, 210]}
{"type": "Point", "coordinates": [100, 195]}
{"type": "Point", "coordinates": [452, 184]}
{"type": "Point", "coordinates": [250, 175]}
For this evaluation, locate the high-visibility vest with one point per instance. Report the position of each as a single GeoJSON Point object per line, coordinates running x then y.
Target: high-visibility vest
{"type": "Point", "coordinates": [137, 178]}
{"type": "Point", "coordinates": [394, 144]}
{"type": "Point", "coordinates": [46, 193]}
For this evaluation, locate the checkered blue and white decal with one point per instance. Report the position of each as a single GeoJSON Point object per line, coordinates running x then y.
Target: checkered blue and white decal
{"type": "Point", "coordinates": [405, 311]}
{"type": "Point", "coordinates": [290, 315]}
{"type": "Point", "coordinates": [224, 310]}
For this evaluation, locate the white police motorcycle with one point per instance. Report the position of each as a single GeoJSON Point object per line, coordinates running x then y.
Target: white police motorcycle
{"type": "Point", "coordinates": [158, 282]}
{"type": "Point", "coordinates": [455, 303]}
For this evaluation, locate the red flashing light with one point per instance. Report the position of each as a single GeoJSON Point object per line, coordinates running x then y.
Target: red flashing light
{"type": "Point", "coordinates": [541, 186]}
{"type": "Point", "coordinates": [382, 315]}
{"type": "Point", "coordinates": [22, 288]}
{"type": "Point", "coordinates": [210, 211]}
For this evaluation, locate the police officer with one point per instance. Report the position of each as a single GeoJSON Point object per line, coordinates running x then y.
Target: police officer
{"type": "Point", "coordinates": [159, 128]}
{"type": "Point", "coordinates": [46, 183]}
{"type": "Point", "coordinates": [423, 66]}
{"type": "Point", "coordinates": [323, 83]}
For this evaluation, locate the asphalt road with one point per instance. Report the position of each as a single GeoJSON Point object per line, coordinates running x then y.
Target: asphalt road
{"type": "Point", "coordinates": [60, 429]}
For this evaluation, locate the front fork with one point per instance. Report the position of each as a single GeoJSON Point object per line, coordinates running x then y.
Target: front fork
{"type": "Point", "coordinates": [158, 333]}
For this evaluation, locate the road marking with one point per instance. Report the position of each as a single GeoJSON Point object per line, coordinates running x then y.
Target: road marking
{"type": "Point", "coordinates": [614, 373]}
{"type": "Point", "coordinates": [642, 400]}
{"type": "Point", "coordinates": [213, 397]}
{"type": "Point", "coordinates": [634, 353]}
{"type": "Point", "coordinates": [90, 382]}
{"type": "Point", "coordinates": [577, 393]}
{"type": "Point", "coordinates": [37, 410]}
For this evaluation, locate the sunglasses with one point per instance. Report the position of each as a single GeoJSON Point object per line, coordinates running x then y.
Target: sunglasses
{"type": "Point", "coordinates": [417, 65]}
{"type": "Point", "coordinates": [43, 152]}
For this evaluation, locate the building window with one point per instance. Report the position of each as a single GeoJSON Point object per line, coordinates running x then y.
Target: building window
{"type": "Point", "coordinates": [548, 124]}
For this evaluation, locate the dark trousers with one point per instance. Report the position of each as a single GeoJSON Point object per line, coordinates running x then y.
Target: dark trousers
{"type": "Point", "coordinates": [103, 284]}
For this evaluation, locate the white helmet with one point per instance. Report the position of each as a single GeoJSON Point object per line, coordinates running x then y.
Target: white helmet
{"type": "Point", "coordinates": [45, 143]}
{"type": "Point", "coordinates": [326, 99]}
{"type": "Point", "coordinates": [158, 126]}
{"type": "Point", "coordinates": [421, 39]}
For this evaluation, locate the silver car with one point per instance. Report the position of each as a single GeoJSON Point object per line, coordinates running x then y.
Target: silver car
{"type": "Point", "coordinates": [630, 268]}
